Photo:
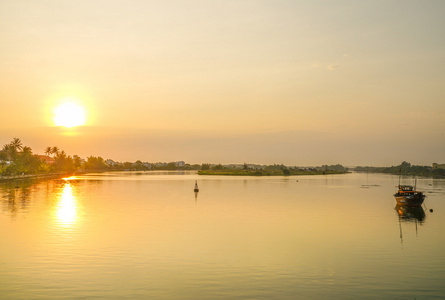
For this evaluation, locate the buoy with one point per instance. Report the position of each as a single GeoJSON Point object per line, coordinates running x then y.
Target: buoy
{"type": "Point", "coordinates": [196, 189]}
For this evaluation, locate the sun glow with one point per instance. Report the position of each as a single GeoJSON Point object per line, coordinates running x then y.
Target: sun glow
{"type": "Point", "coordinates": [67, 207]}
{"type": "Point", "coordinates": [69, 114]}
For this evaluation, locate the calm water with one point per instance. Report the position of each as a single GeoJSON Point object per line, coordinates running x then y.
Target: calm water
{"type": "Point", "coordinates": [149, 236]}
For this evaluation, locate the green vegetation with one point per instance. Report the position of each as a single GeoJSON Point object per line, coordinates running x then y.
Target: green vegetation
{"type": "Point", "coordinates": [405, 168]}
{"type": "Point", "coordinates": [271, 170]}
{"type": "Point", "coordinates": [17, 160]}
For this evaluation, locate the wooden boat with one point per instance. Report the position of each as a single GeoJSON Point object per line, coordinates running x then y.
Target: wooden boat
{"type": "Point", "coordinates": [407, 195]}
{"type": "Point", "coordinates": [196, 189]}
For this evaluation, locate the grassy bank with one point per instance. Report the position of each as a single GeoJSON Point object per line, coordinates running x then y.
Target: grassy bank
{"type": "Point", "coordinates": [285, 172]}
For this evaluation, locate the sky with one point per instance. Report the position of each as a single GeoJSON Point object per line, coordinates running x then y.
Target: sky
{"type": "Point", "coordinates": [289, 82]}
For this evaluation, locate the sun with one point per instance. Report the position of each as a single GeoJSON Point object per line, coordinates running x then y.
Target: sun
{"type": "Point", "coordinates": [69, 114]}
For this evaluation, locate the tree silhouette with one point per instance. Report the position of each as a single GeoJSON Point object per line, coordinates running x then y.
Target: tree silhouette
{"type": "Point", "coordinates": [17, 144]}
{"type": "Point", "coordinates": [55, 150]}
{"type": "Point", "coordinates": [10, 151]}
{"type": "Point", "coordinates": [48, 150]}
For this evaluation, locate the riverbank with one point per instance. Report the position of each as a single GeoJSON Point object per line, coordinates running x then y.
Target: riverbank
{"type": "Point", "coordinates": [285, 172]}
{"type": "Point", "coordinates": [34, 176]}
{"type": "Point", "coordinates": [405, 169]}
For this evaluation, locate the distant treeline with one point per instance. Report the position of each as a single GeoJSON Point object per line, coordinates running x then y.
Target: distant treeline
{"type": "Point", "coordinates": [17, 160]}
{"type": "Point", "coordinates": [268, 170]}
{"type": "Point", "coordinates": [405, 168]}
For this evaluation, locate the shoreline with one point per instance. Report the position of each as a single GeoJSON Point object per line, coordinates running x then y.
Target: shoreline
{"type": "Point", "coordinates": [266, 173]}
{"type": "Point", "coordinates": [34, 176]}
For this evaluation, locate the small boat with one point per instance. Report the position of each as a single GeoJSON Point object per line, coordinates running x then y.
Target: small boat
{"type": "Point", "coordinates": [407, 195]}
{"type": "Point", "coordinates": [196, 189]}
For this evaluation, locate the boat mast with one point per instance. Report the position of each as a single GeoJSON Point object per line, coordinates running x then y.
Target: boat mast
{"type": "Point", "coordinates": [401, 234]}
{"type": "Point", "coordinates": [400, 173]}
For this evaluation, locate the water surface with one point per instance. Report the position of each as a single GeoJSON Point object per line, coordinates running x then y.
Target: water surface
{"type": "Point", "coordinates": [147, 235]}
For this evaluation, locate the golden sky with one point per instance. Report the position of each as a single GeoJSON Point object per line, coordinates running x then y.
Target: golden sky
{"type": "Point", "coordinates": [293, 82]}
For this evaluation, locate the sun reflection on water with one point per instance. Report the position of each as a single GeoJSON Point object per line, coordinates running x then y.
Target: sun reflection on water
{"type": "Point", "coordinates": [66, 212]}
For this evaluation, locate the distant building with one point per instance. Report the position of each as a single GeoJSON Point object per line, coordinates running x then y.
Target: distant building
{"type": "Point", "coordinates": [111, 163]}
{"type": "Point", "coordinates": [438, 166]}
{"type": "Point", "coordinates": [234, 166]}
{"type": "Point", "coordinates": [46, 159]}
{"type": "Point", "coordinates": [179, 164]}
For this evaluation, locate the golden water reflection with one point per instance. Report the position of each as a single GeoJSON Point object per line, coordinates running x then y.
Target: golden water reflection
{"type": "Point", "coordinates": [66, 211]}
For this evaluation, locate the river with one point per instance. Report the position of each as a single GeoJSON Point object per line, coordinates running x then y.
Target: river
{"type": "Point", "coordinates": [148, 235]}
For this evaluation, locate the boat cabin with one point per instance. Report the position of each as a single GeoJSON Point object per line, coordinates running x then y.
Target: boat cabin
{"type": "Point", "coordinates": [406, 188]}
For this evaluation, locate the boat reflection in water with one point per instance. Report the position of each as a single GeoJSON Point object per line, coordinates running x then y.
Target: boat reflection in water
{"type": "Point", "coordinates": [410, 213]}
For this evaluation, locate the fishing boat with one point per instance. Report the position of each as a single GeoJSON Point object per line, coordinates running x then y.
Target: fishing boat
{"type": "Point", "coordinates": [407, 195]}
{"type": "Point", "coordinates": [196, 189]}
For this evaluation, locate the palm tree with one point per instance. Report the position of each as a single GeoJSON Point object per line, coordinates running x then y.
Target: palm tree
{"type": "Point", "coordinates": [48, 150]}
{"type": "Point", "coordinates": [55, 150]}
{"type": "Point", "coordinates": [17, 144]}
{"type": "Point", "coordinates": [27, 150]}
{"type": "Point", "coordinates": [61, 154]}
{"type": "Point", "coordinates": [24, 161]}
{"type": "Point", "coordinates": [10, 151]}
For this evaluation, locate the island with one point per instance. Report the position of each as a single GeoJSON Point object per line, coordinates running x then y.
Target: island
{"type": "Point", "coordinates": [269, 170]}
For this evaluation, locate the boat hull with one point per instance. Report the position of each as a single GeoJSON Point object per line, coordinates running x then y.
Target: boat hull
{"type": "Point", "coordinates": [410, 200]}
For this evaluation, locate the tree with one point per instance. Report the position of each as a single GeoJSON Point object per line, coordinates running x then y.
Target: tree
{"type": "Point", "coordinates": [95, 163]}
{"type": "Point", "coordinates": [16, 144]}
{"type": "Point", "coordinates": [171, 166]}
{"type": "Point", "coordinates": [55, 150]}
{"type": "Point", "coordinates": [218, 167]}
{"type": "Point", "coordinates": [405, 164]}
{"type": "Point", "coordinates": [205, 167]}
{"type": "Point", "coordinates": [138, 165]}
{"type": "Point", "coordinates": [77, 162]}
{"type": "Point", "coordinates": [48, 150]}
{"type": "Point", "coordinates": [26, 162]}
{"type": "Point", "coordinates": [3, 159]}
{"type": "Point", "coordinates": [10, 151]}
